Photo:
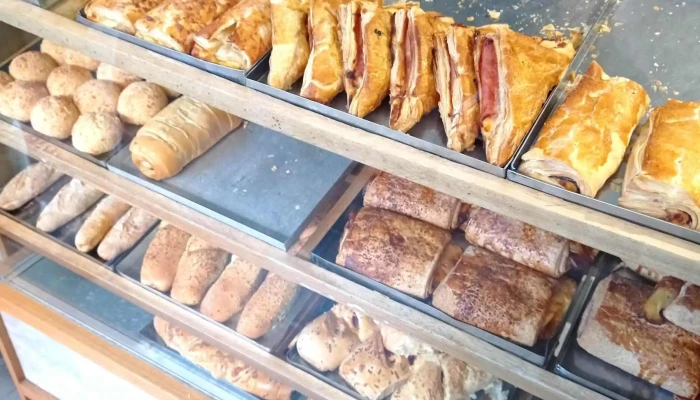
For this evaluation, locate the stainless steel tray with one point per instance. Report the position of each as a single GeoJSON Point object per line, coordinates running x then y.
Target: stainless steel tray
{"type": "Point", "coordinates": [325, 253]}
{"type": "Point", "coordinates": [660, 63]}
{"type": "Point", "coordinates": [232, 74]}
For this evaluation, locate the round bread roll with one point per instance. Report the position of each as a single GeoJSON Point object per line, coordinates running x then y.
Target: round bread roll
{"type": "Point", "coordinates": [54, 116]}
{"type": "Point", "coordinates": [97, 133]}
{"type": "Point", "coordinates": [32, 66]}
{"type": "Point", "coordinates": [97, 96]}
{"type": "Point", "coordinates": [72, 57]}
{"type": "Point", "coordinates": [109, 73]}
{"type": "Point", "coordinates": [54, 50]}
{"type": "Point", "coordinates": [140, 101]}
{"type": "Point", "coordinates": [5, 79]}
{"type": "Point", "coordinates": [64, 80]}
{"type": "Point", "coordinates": [18, 99]}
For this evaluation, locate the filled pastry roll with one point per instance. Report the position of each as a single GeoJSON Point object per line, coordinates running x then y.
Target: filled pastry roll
{"type": "Point", "coordinates": [290, 42]}
{"type": "Point", "coordinates": [456, 84]}
{"type": "Point", "coordinates": [582, 144]}
{"type": "Point", "coordinates": [119, 14]}
{"type": "Point", "coordinates": [662, 171]}
{"type": "Point", "coordinates": [514, 73]}
{"type": "Point", "coordinates": [238, 38]}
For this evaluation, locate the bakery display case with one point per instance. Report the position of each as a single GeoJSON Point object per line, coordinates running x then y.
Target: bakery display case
{"type": "Point", "coordinates": [353, 200]}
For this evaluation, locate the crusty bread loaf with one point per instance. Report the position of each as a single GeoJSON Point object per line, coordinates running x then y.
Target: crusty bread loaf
{"type": "Point", "coordinates": [18, 98]}
{"type": "Point", "coordinates": [131, 227]}
{"type": "Point", "coordinates": [71, 201]}
{"type": "Point", "coordinates": [140, 101]}
{"type": "Point", "coordinates": [26, 185]}
{"type": "Point", "coordinates": [64, 80]}
{"type": "Point", "coordinates": [103, 217]}
{"type": "Point", "coordinates": [266, 306]}
{"type": "Point", "coordinates": [54, 116]}
{"type": "Point", "coordinates": [229, 293]}
{"type": "Point", "coordinates": [200, 265]}
{"type": "Point", "coordinates": [162, 257]}
{"type": "Point", "coordinates": [32, 66]}
{"type": "Point", "coordinates": [326, 342]}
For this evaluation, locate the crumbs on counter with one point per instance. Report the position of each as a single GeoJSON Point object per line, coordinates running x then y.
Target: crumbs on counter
{"type": "Point", "coordinates": [494, 15]}
{"type": "Point", "coordinates": [604, 28]}
{"type": "Point", "coordinates": [658, 86]}
{"type": "Point", "coordinates": [274, 168]}
{"type": "Point", "coordinates": [470, 19]}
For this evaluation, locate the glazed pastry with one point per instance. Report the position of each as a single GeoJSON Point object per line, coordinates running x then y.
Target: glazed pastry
{"type": "Point", "coordinates": [200, 265]}
{"type": "Point", "coordinates": [238, 38]}
{"type": "Point", "coordinates": [290, 42]}
{"type": "Point", "coordinates": [163, 256]}
{"type": "Point", "coordinates": [515, 74]}
{"type": "Point", "coordinates": [231, 291]}
{"type": "Point", "coordinates": [662, 170]}
{"type": "Point", "coordinates": [425, 382]}
{"type": "Point", "coordinates": [581, 145]}
{"type": "Point", "coordinates": [267, 306]}
{"type": "Point", "coordinates": [456, 84]}
{"type": "Point", "coordinates": [326, 341]}
{"type": "Point", "coordinates": [119, 14]}
{"type": "Point", "coordinates": [684, 311]}
{"type": "Point", "coordinates": [71, 201]}
{"type": "Point", "coordinates": [26, 185]}
{"type": "Point", "coordinates": [128, 230]}
{"type": "Point", "coordinates": [101, 220]}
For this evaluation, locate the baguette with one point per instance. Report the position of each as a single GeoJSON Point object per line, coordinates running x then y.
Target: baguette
{"type": "Point", "coordinates": [200, 265]}
{"type": "Point", "coordinates": [103, 217]}
{"type": "Point", "coordinates": [266, 306]}
{"type": "Point", "coordinates": [26, 185]}
{"type": "Point", "coordinates": [131, 227]}
{"type": "Point", "coordinates": [71, 201]}
{"type": "Point", "coordinates": [162, 257]}
{"type": "Point", "coordinates": [228, 294]}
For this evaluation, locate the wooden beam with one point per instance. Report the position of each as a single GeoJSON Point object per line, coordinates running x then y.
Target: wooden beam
{"type": "Point", "coordinates": [34, 392]}
{"type": "Point", "coordinates": [11, 360]}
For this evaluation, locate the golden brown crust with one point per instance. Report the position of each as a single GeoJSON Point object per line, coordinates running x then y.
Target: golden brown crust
{"type": "Point", "coordinates": [26, 185]}
{"type": "Point", "coordinates": [72, 200]}
{"type": "Point", "coordinates": [326, 341]}
{"type": "Point", "coordinates": [131, 227]}
{"type": "Point", "coordinates": [449, 258]}
{"type": "Point", "coordinates": [558, 306]}
{"type": "Point", "coordinates": [266, 306]}
{"type": "Point", "coordinates": [290, 42]}
{"type": "Point", "coordinates": [232, 289]}
{"type": "Point", "coordinates": [200, 265]}
{"type": "Point", "coordinates": [163, 256]}
{"type": "Point", "coordinates": [119, 14]}
{"type": "Point", "coordinates": [425, 382]}
{"type": "Point", "coordinates": [101, 219]}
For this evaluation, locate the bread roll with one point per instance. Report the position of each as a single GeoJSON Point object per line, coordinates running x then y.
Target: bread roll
{"type": "Point", "coordinates": [107, 72]}
{"type": "Point", "coordinates": [5, 79]}
{"type": "Point", "coordinates": [361, 324]}
{"type": "Point", "coordinates": [162, 257]}
{"type": "Point", "coordinates": [97, 96]}
{"type": "Point", "coordinates": [54, 116]}
{"type": "Point", "coordinates": [71, 201]}
{"type": "Point", "coordinates": [200, 265]}
{"type": "Point", "coordinates": [26, 185]}
{"type": "Point", "coordinates": [267, 305]}
{"type": "Point", "coordinates": [140, 101]}
{"type": "Point", "coordinates": [402, 344]}
{"type": "Point", "coordinates": [18, 99]}
{"type": "Point", "coordinates": [65, 80]}
{"type": "Point", "coordinates": [72, 57]}
{"type": "Point", "coordinates": [131, 227]}
{"type": "Point", "coordinates": [228, 294]}
{"type": "Point", "coordinates": [97, 133]}
{"type": "Point", "coordinates": [54, 50]}
{"type": "Point", "coordinates": [32, 66]}
{"type": "Point", "coordinates": [181, 132]}
{"type": "Point", "coordinates": [103, 217]}
{"type": "Point", "coordinates": [326, 342]}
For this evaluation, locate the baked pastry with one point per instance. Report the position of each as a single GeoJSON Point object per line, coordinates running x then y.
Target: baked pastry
{"type": "Point", "coordinates": [497, 295]}
{"type": "Point", "coordinates": [73, 57]}
{"type": "Point", "coordinates": [72, 200]}
{"type": "Point", "coordinates": [119, 14]}
{"type": "Point", "coordinates": [323, 76]}
{"type": "Point", "coordinates": [361, 324]}
{"type": "Point", "coordinates": [581, 145]}
{"type": "Point", "coordinates": [199, 266]}
{"type": "Point", "coordinates": [449, 258]}
{"type": "Point", "coordinates": [5, 79]}
{"type": "Point", "coordinates": [402, 344]}
{"type": "Point", "coordinates": [128, 230]}
{"type": "Point", "coordinates": [18, 98]}
{"type": "Point", "coordinates": [239, 37]}
{"type": "Point", "coordinates": [26, 185]}
{"type": "Point", "coordinates": [405, 197]}
{"type": "Point", "coordinates": [122, 78]}
{"type": "Point", "coordinates": [97, 133]}
{"type": "Point", "coordinates": [140, 101]}
{"type": "Point", "coordinates": [660, 179]}
{"type": "Point", "coordinates": [231, 291]}
{"type": "Point", "coordinates": [290, 42]}
{"type": "Point", "coordinates": [163, 256]}
{"type": "Point", "coordinates": [266, 306]}
{"type": "Point", "coordinates": [172, 94]}
{"type": "Point", "coordinates": [393, 249]}
{"type": "Point", "coordinates": [460, 379]}
{"type": "Point", "coordinates": [684, 311]}
{"type": "Point", "coordinates": [181, 132]}
{"type": "Point", "coordinates": [101, 219]}
{"type": "Point", "coordinates": [96, 96]}
{"type": "Point", "coordinates": [326, 341]}
{"type": "Point", "coordinates": [54, 116]}
{"type": "Point", "coordinates": [456, 84]}
{"type": "Point", "coordinates": [64, 80]}
{"type": "Point", "coordinates": [515, 74]}
{"type": "Point", "coordinates": [54, 50]}
{"type": "Point", "coordinates": [614, 329]}
{"type": "Point", "coordinates": [32, 66]}
{"type": "Point", "coordinates": [557, 308]}
{"type": "Point", "coordinates": [425, 382]}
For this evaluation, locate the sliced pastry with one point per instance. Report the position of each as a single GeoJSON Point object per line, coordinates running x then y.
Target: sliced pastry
{"type": "Point", "coordinates": [290, 42]}
{"type": "Point", "coordinates": [119, 14]}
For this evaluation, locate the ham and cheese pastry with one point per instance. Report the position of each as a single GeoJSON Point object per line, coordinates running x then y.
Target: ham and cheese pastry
{"type": "Point", "coordinates": [119, 14]}
{"type": "Point", "coordinates": [290, 42]}
{"type": "Point", "coordinates": [515, 73]}
{"type": "Point", "coordinates": [662, 171]}
{"type": "Point", "coordinates": [456, 84]}
{"type": "Point", "coordinates": [238, 38]}
{"type": "Point", "coordinates": [326, 341]}
{"type": "Point", "coordinates": [583, 143]}
{"type": "Point", "coordinates": [393, 249]}
{"type": "Point", "coordinates": [684, 311]}
{"type": "Point", "coordinates": [613, 328]}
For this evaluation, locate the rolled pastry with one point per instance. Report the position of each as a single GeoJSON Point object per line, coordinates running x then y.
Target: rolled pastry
{"type": "Point", "coordinates": [290, 42]}
{"type": "Point", "coordinates": [515, 74]}
{"type": "Point", "coordinates": [71, 201]}
{"type": "Point", "coordinates": [662, 170]}
{"type": "Point", "coordinates": [200, 265]}
{"type": "Point", "coordinates": [361, 324]}
{"type": "Point", "coordinates": [584, 141]}
{"type": "Point", "coordinates": [119, 14]}
{"type": "Point", "coordinates": [163, 257]}
{"type": "Point", "coordinates": [27, 184]}
{"type": "Point", "coordinates": [103, 217]}
{"type": "Point", "coordinates": [326, 341]}
{"type": "Point", "coordinates": [131, 227]}
{"type": "Point", "coordinates": [685, 309]}
{"type": "Point", "coordinates": [267, 306]}
{"type": "Point", "coordinates": [231, 291]}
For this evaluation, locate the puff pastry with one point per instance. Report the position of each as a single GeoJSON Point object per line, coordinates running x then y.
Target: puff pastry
{"type": "Point", "coordinates": [119, 14]}
{"type": "Point", "coordinates": [290, 42]}
{"type": "Point", "coordinates": [239, 37]}
{"type": "Point", "coordinates": [515, 73]}
{"type": "Point", "coordinates": [662, 171]}
{"type": "Point", "coordinates": [583, 143]}
{"type": "Point", "coordinates": [456, 84]}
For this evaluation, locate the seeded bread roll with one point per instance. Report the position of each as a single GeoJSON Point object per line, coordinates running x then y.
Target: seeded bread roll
{"type": "Point", "coordinates": [27, 185]}
{"type": "Point", "coordinates": [103, 217]}
{"type": "Point", "coordinates": [18, 99]}
{"type": "Point", "coordinates": [131, 227]}
{"type": "Point", "coordinates": [229, 293]}
{"type": "Point", "coordinates": [55, 116]}
{"type": "Point", "coordinates": [267, 305]}
{"type": "Point", "coordinates": [54, 50]}
{"type": "Point", "coordinates": [97, 133]}
{"type": "Point", "coordinates": [140, 101]}
{"type": "Point", "coordinates": [72, 200]}
{"type": "Point", "coordinates": [97, 96]}
{"type": "Point", "coordinates": [64, 80]}
{"type": "Point", "coordinates": [32, 66]}
{"type": "Point", "coordinates": [107, 72]}
{"type": "Point", "coordinates": [200, 265]}
{"type": "Point", "coordinates": [5, 79]}
{"type": "Point", "coordinates": [162, 257]}
{"type": "Point", "coordinates": [72, 57]}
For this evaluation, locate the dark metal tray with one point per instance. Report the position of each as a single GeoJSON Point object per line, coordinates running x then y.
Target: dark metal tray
{"type": "Point", "coordinates": [232, 74]}
{"type": "Point", "coordinates": [650, 47]}
{"type": "Point", "coordinates": [325, 253]}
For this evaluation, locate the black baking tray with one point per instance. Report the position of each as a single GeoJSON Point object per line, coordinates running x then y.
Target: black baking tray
{"type": "Point", "coordinates": [325, 253]}
{"type": "Point", "coordinates": [232, 74]}
{"type": "Point", "coordinates": [661, 39]}
{"type": "Point", "coordinates": [274, 341]}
